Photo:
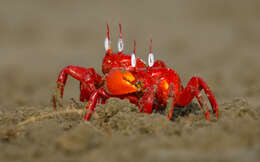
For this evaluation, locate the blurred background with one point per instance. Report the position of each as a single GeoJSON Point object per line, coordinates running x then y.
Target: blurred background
{"type": "Point", "coordinates": [217, 40]}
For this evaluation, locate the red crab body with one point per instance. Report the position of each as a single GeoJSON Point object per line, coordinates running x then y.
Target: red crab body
{"type": "Point", "coordinates": [128, 77]}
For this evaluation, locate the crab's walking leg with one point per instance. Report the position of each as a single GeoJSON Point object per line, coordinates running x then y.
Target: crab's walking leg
{"type": "Point", "coordinates": [195, 85]}
{"type": "Point", "coordinates": [94, 97]}
{"type": "Point", "coordinates": [172, 108]}
{"type": "Point", "coordinates": [202, 102]}
{"type": "Point", "coordinates": [172, 95]}
{"type": "Point", "coordinates": [146, 102]}
{"type": "Point", "coordinates": [87, 76]}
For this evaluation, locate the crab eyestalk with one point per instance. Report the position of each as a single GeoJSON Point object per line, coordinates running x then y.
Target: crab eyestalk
{"type": "Point", "coordinates": [107, 42]}
{"type": "Point", "coordinates": [150, 56]}
{"type": "Point", "coordinates": [120, 43]}
{"type": "Point", "coordinates": [133, 57]}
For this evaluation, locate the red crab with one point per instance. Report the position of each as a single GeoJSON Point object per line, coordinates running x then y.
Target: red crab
{"type": "Point", "coordinates": [147, 86]}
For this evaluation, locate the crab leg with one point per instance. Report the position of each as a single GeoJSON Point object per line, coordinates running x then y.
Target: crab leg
{"type": "Point", "coordinates": [172, 95]}
{"type": "Point", "coordinates": [87, 76]}
{"type": "Point", "coordinates": [146, 102]}
{"type": "Point", "coordinates": [195, 85]}
{"type": "Point", "coordinates": [92, 102]}
{"type": "Point", "coordinates": [172, 108]}
{"type": "Point", "coordinates": [202, 102]}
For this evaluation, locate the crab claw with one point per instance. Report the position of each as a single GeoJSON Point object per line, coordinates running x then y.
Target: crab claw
{"type": "Point", "coordinates": [119, 82]}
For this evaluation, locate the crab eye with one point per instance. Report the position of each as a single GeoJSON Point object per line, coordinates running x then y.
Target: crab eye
{"type": "Point", "coordinates": [106, 44]}
{"type": "Point", "coordinates": [150, 59]}
{"type": "Point", "coordinates": [120, 45]}
{"type": "Point", "coordinates": [133, 60]}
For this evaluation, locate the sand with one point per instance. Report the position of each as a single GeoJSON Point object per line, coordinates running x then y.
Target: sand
{"type": "Point", "coordinates": [218, 41]}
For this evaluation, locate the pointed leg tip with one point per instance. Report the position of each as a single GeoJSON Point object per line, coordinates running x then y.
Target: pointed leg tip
{"type": "Point", "coordinates": [54, 102]}
{"type": "Point", "coordinates": [170, 116]}
{"type": "Point", "coordinates": [207, 115]}
{"type": "Point", "coordinates": [87, 116]}
{"type": "Point", "coordinates": [217, 114]}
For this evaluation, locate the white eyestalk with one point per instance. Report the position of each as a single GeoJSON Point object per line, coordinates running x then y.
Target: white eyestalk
{"type": "Point", "coordinates": [120, 45]}
{"type": "Point", "coordinates": [150, 59]}
{"type": "Point", "coordinates": [107, 42]}
{"type": "Point", "coordinates": [133, 60]}
{"type": "Point", "coordinates": [150, 56]}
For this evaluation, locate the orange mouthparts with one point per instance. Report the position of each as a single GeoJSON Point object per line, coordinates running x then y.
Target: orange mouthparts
{"type": "Point", "coordinates": [119, 82]}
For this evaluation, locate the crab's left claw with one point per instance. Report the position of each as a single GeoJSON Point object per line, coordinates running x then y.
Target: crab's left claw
{"type": "Point", "coordinates": [119, 82]}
